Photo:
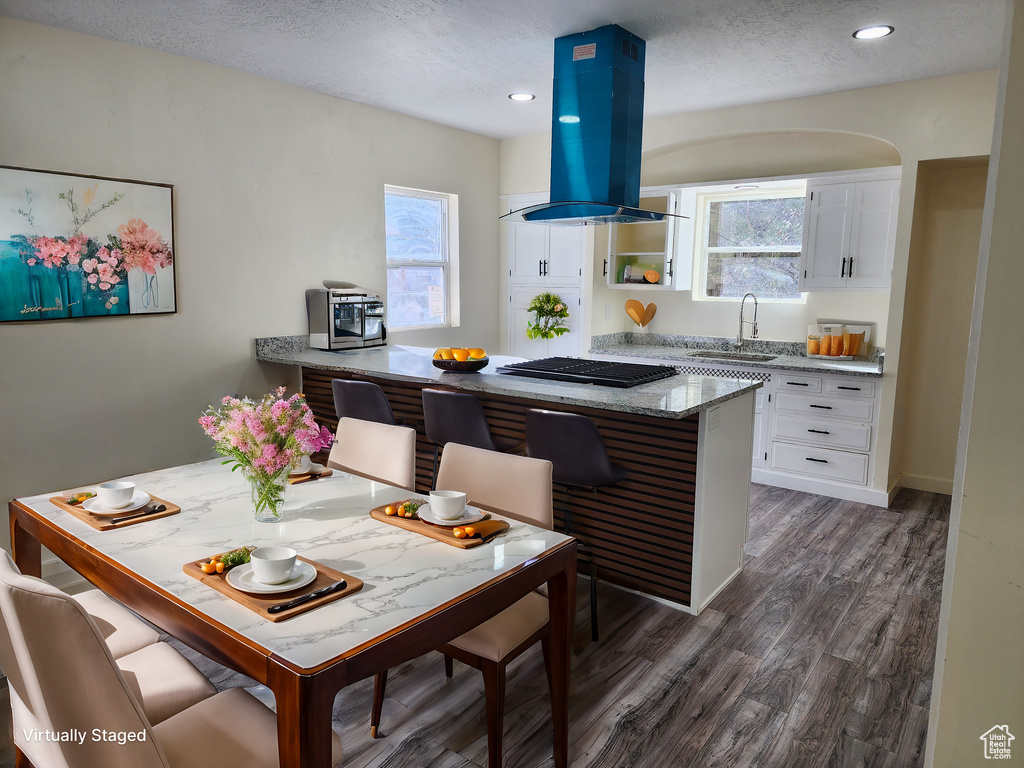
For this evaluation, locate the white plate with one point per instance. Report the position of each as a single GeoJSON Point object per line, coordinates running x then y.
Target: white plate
{"type": "Point", "coordinates": [241, 578]}
{"type": "Point", "coordinates": [469, 515]}
{"type": "Point", "coordinates": [139, 500]}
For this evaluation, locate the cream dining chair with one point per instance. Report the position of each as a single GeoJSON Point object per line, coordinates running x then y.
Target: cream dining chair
{"type": "Point", "coordinates": [520, 488]}
{"type": "Point", "coordinates": [377, 451]}
{"type": "Point", "coordinates": [65, 680]}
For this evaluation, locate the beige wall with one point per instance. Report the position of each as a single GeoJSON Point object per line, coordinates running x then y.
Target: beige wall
{"type": "Point", "coordinates": [918, 120]}
{"type": "Point", "coordinates": [275, 189]}
{"type": "Point", "coordinates": [937, 319]}
{"type": "Point", "coordinates": [979, 682]}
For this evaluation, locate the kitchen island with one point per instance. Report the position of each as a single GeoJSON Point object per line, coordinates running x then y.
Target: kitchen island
{"type": "Point", "coordinates": [674, 528]}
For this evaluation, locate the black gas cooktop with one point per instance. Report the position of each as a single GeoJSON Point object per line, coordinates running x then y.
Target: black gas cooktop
{"type": "Point", "coordinates": [600, 372]}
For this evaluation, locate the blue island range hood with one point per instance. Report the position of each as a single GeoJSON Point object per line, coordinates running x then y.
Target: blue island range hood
{"type": "Point", "coordinates": [596, 130]}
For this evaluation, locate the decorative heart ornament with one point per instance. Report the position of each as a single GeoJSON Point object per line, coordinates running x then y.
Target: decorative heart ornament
{"type": "Point", "coordinates": [640, 314]}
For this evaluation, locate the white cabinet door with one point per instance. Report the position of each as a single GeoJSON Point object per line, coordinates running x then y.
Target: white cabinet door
{"type": "Point", "coordinates": [568, 344]}
{"type": "Point", "coordinates": [527, 252]}
{"type": "Point", "coordinates": [873, 237]}
{"type": "Point", "coordinates": [565, 254]}
{"type": "Point", "coordinates": [827, 229]}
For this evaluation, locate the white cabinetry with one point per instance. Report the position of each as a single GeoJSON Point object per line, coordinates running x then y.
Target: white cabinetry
{"type": "Point", "coordinates": [822, 430]}
{"type": "Point", "coordinates": [540, 254]}
{"type": "Point", "coordinates": [849, 234]}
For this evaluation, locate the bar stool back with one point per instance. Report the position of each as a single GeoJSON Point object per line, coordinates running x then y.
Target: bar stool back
{"type": "Point", "coordinates": [575, 448]}
{"type": "Point", "coordinates": [458, 417]}
{"type": "Point", "coordinates": [361, 400]}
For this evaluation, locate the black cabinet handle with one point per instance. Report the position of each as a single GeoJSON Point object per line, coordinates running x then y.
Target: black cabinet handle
{"type": "Point", "coordinates": [819, 431]}
{"type": "Point", "coordinates": [798, 383]}
{"type": "Point", "coordinates": [843, 273]}
{"type": "Point", "coordinates": [605, 272]}
{"type": "Point", "coordinates": [823, 407]}
{"type": "Point", "coordinates": [855, 389]}
{"type": "Point", "coordinates": [540, 268]}
{"type": "Point", "coordinates": [545, 267]}
{"type": "Point", "coordinates": [851, 266]}
{"type": "Point", "coordinates": [820, 461]}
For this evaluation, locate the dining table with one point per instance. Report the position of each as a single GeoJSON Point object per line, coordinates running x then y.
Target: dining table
{"type": "Point", "coordinates": [418, 593]}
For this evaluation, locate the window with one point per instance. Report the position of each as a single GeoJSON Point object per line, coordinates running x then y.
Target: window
{"type": "Point", "coordinates": [421, 242]}
{"type": "Point", "coordinates": [750, 242]}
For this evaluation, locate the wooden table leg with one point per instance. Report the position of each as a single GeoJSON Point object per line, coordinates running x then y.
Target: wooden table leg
{"type": "Point", "coordinates": [25, 547]}
{"type": "Point", "coordinates": [304, 709]}
{"type": "Point", "coordinates": [562, 612]}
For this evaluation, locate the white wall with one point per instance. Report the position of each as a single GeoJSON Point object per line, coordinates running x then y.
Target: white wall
{"type": "Point", "coordinates": [275, 189]}
{"type": "Point", "coordinates": [979, 676]}
{"type": "Point", "coordinates": [919, 120]}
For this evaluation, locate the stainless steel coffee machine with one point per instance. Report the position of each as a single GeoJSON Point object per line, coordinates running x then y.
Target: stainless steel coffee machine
{"type": "Point", "coordinates": [344, 316]}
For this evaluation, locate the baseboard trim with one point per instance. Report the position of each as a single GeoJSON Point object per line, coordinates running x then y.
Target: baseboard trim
{"type": "Point", "coordinates": [925, 483]}
{"type": "Point", "coordinates": [871, 496]}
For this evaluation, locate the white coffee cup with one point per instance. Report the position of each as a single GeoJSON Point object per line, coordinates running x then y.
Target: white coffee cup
{"type": "Point", "coordinates": [116, 494]}
{"type": "Point", "coordinates": [447, 505]}
{"type": "Point", "coordinates": [272, 565]}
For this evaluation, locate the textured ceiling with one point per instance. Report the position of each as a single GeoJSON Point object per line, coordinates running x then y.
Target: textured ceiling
{"type": "Point", "coordinates": [455, 61]}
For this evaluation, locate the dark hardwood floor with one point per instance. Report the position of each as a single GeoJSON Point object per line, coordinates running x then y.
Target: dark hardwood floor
{"type": "Point", "coordinates": [819, 654]}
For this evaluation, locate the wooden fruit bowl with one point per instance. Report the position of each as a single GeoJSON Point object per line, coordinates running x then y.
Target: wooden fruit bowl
{"type": "Point", "coordinates": [462, 366]}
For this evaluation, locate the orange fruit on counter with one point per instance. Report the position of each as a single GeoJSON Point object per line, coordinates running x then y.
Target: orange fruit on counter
{"type": "Point", "coordinates": [469, 530]}
{"type": "Point", "coordinates": [459, 533]}
{"type": "Point", "coordinates": [476, 353]}
{"type": "Point", "coordinates": [390, 510]}
{"type": "Point", "coordinates": [446, 354]}
{"type": "Point", "coordinates": [437, 354]}
{"type": "Point", "coordinates": [462, 355]}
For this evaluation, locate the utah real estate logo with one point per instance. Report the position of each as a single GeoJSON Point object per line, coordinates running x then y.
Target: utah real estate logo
{"type": "Point", "coordinates": [997, 742]}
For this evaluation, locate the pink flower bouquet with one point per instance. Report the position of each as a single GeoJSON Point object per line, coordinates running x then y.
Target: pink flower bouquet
{"type": "Point", "coordinates": [266, 440]}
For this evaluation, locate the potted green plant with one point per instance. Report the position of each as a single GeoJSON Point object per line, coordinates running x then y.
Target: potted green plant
{"type": "Point", "coordinates": [550, 314]}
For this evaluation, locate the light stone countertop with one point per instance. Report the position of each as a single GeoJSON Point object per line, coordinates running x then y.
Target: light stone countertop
{"type": "Point", "coordinates": [676, 397]}
{"type": "Point", "coordinates": [406, 574]}
{"type": "Point", "coordinates": [677, 350]}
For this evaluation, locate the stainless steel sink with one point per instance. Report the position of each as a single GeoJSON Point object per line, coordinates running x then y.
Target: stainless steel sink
{"type": "Point", "coordinates": [750, 356]}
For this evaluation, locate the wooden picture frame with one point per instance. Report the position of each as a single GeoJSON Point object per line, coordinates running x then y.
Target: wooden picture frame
{"type": "Point", "coordinates": [75, 246]}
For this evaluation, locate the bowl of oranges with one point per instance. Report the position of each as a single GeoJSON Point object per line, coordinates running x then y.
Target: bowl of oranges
{"type": "Point", "coordinates": [460, 359]}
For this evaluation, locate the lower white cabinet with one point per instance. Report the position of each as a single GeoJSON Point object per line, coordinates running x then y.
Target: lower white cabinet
{"type": "Point", "coordinates": [812, 432]}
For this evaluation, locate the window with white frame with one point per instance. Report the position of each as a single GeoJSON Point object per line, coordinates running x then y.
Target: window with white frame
{"type": "Point", "coordinates": [421, 243]}
{"type": "Point", "coordinates": [750, 241]}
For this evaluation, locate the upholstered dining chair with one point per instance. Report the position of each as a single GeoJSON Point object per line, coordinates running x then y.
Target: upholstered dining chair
{"type": "Point", "coordinates": [520, 488]}
{"type": "Point", "coordinates": [383, 452]}
{"type": "Point", "coordinates": [65, 679]}
{"type": "Point", "coordinates": [361, 400]}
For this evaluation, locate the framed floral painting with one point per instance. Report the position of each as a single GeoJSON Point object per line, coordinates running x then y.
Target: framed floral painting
{"type": "Point", "coordinates": [83, 246]}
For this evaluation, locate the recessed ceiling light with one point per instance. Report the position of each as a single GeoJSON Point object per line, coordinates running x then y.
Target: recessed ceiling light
{"type": "Point", "coordinates": [873, 33]}
{"type": "Point", "coordinates": [522, 96]}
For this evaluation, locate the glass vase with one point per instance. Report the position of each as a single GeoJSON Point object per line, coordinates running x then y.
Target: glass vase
{"type": "Point", "coordinates": [267, 495]}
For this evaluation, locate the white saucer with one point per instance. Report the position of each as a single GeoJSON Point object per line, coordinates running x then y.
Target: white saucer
{"type": "Point", "coordinates": [314, 469]}
{"type": "Point", "coordinates": [469, 515]}
{"type": "Point", "coordinates": [241, 578]}
{"type": "Point", "coordinates": [139, 500]}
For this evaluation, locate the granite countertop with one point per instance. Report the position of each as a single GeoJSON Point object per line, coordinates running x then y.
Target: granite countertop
{"type": "Point", "coordinates": [678, 350]}
{"type": "Point", "coordinates": [676, 397]}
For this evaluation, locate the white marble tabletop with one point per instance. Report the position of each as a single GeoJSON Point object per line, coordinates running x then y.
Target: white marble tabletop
{"type": "Point", "coordinates": [406, 574]}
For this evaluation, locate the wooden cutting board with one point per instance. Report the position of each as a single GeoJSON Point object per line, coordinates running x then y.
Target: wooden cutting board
{"type": "Point", "coordinates": [260, 603]}
{"type": "Point", "coordinates": [104, 524]}
{"type": "Point", "coordinates": [485, 529]}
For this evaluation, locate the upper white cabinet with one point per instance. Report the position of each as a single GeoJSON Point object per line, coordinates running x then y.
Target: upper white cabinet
{"type": "Point", "coordinates": [664, 247]}
{"type": "Point", "coordinates": [541, 254]}
{"type": "Point", "coordinates": [849, 234]}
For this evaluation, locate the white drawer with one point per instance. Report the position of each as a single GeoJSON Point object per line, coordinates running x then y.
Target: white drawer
{"type": "Point", "coordinates": [853, 387]}
{"type": "Point", "coordinates": [825, 407]}
{"type": "Point", "coordinates": [797, 383]}
{"type": "Point", "coordinates": [830, 434]}
{"type": "Point", "coordinates": [820, 462]}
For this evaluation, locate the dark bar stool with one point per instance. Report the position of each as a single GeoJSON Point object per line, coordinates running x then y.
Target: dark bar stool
{"type": "Point", "coordinates": [573, 445]}
{"type": "Point", "coordinates": [457, 417]}
{"type": "Point", "coordinates": [361, 400]}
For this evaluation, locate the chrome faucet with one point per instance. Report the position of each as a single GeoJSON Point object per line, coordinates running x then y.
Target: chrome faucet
{"type": "Point", "coordinates": [753, 335]}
